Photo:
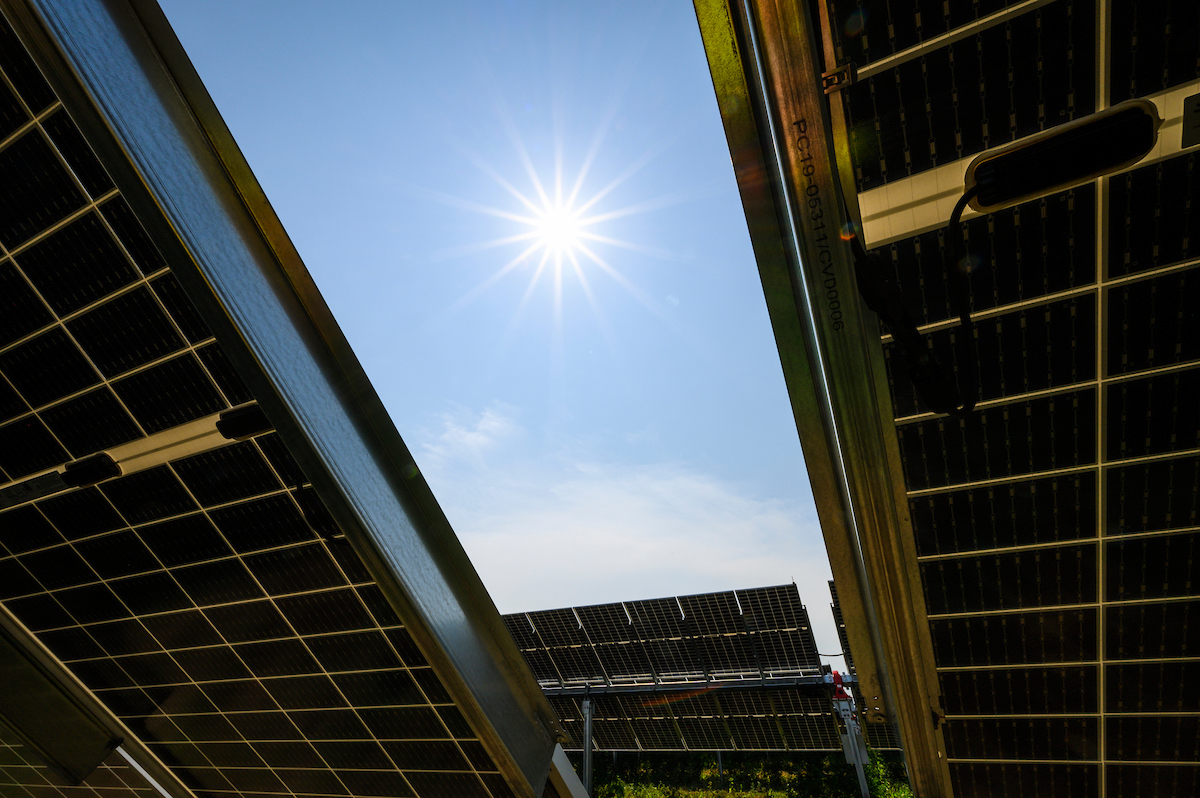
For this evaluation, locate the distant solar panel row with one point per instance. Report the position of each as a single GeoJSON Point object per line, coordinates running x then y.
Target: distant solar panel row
{"type": "Point", "coordinates": [744, 634]}
{"type": "Point", "coordinates": [771, 719]}
{"type": "Point", "coordinates": [209, 602]}
{"type": "Point", "coordinates": [712, 641]}
{"type": "Point", "coordinates": [840, 622]}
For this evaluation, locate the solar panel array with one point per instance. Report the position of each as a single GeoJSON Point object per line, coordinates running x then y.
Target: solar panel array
{"type": "Point", "coordinates": [1056, 526]}
{"type": "Point", "coordinates": [710, 637]}
{"type": "Point", "coordinates": [210, 602]}
{"type": "Point", "coordinates": [710, 641]}
{"type": "Point", "coordinates": [772, 719]}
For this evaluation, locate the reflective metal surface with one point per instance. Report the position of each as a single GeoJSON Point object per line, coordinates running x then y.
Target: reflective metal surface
{"type": "Point", "coordinates": [766, 66]}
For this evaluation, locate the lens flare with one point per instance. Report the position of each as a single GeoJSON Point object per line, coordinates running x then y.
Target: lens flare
{"type": "Point", "coordinates": [856, 22]}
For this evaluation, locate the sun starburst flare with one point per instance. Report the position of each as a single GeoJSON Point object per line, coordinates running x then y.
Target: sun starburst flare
{"type": "Point", "coordinates": [557, 231]}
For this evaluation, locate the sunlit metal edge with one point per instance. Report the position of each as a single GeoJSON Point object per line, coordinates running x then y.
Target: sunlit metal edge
{"type": "Point", "coordinates": [753, 164]}
{"type": "Point", "coordinates": [860, 426]}
{"type": "Point", "coordinates": [127, 82]}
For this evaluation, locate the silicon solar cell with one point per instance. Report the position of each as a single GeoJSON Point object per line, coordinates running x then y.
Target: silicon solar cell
{"type": "Point", "coordinates": [1152, 51]}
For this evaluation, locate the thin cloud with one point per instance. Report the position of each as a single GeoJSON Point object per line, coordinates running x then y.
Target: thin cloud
{"type": "Point", "coordinates": [575, 529]}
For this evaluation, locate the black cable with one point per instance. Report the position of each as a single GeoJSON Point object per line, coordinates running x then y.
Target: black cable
{"type": "Point", "coordinates": [959, 282]}
{"type": "Point", "coordinates": [882, 294]}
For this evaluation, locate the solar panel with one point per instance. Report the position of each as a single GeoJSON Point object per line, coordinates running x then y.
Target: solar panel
{"type": "Point", "coordinates": [710, 636]}
{"type": "Point", "coordinates": [840, 622]}
{"type": "Point", "coordinates": [1054, 526]}
{"type": "Point", "coordinates": [655, 669]}
{"type": "Point", "coordinates": [205, 596]}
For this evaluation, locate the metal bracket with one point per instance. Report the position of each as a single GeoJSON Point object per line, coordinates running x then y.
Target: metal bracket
{"type": "Point", "coordinates": [839, 78]}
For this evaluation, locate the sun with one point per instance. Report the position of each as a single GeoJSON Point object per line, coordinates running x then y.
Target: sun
{"type": "Point", "coordinates": [557, 230]}
{"type": "Point", "coordinates": [560, 230]}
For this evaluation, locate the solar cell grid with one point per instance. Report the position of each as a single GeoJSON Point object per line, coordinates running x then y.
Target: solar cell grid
{"type": "Point", "coordinates": [1022, 691]}
{"type": "Point", "coordinates": [656, 734]}
{"type": "Point", "coordinates": [1172, 299]}
{"type": "Point", "coordinates": [705, 734]}
{"type": "Point", "coordinates": [955, 101]}
{"type": "Point", "coordinates": [1153, 496]}
{"type": "Point", "coordinates": [1154, 415]}
{"type": "Point", "coordinates": [770, 608]}
{"type": "Point", "coordinates": [675, 660]}
{"type": "Point", "coordinates": [712, 614]}
{"type": "Point", "coordinates": [1153, 686]}
{"type": "Point", "coordinates": [1155, 46]}
{"type": "Point", "coordinates": [719, 657]}
{"type": "Point", "coordinates": [36, 190]}
{"type": "Point", "coordinates": [1026, 739]}
{"type": "Point", "coordinates": [1161, 566]}
{"type": "Point", "coordinates": [657, 618]}
{"type": "Point", "coordinates": [558, 628]}
{"type": "Point", "coordinates": [610, 727]}
{"type": "Point", "coordinates": [1048, 461]}
{"type": "Point", "coordinates": [1037, 578]}
{"type": "Point", "coordinates": [980, 779]}
{"type": "Point", "coordinates": [578, 666]}
{"type": "Point", "coordinates": [1031, 250]}
{"type": "Point", "coordinates": [606, 623]}
{"type": "Point", "coordinates": [749, 733]}
{"type": "Point", "coordinates": [788, 652]}
{"type": "Point", "coordinates": [808, 733]}
{"type": "Point", "coordinates": [626, 663]}
{"type": "Point", "coordinates": [1051, 636]}
{"type": "Point", "coordinates": [1145, 781]}
{"type": "Point", "coordinates": [1017, 513]}
{"type": "Point", "coordinates": [1151, 220]}
{"type": "Point", "coordinates": [1027, 350]}
{"type": "Point", "coordinates": [865, 32]}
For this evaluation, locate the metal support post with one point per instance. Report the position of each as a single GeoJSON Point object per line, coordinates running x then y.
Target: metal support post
{"type": "Point", "coordinates": [853, 744]}
{"type": "Point", "coordinates": [587, 745]}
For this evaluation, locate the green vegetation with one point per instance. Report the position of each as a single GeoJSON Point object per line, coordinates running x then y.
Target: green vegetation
{"type": "Point", "coordinates": [744, 775]}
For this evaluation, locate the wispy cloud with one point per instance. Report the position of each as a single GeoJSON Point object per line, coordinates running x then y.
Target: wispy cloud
{"type": "Point", "coordinates": [576, 528]}
{"type": "Point", "coordinates": [464, 440]}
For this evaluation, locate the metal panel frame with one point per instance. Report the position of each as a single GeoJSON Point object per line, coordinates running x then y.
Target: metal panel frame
{"type": "Point", "coordinates": [765, 63]}
{"type": "Point", "coordinates": [125, 79]}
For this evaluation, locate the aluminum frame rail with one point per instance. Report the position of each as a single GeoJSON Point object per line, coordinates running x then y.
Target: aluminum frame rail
{"type": "Point", "coordinates": [807, 685]}
{"type": "Point", "coordinates": [766, 67]}
{"type": "Point", "coordinates": [130, 747]}
{"type": "Point", "coordinates": [125, 80]}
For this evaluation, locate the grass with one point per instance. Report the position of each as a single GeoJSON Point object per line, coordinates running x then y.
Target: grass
{"type": "Point", "coordinates": [744, 775]}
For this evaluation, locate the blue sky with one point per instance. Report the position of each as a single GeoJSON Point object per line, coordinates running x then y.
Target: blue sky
{"type": "Point", "coordinates": [614, 431]}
